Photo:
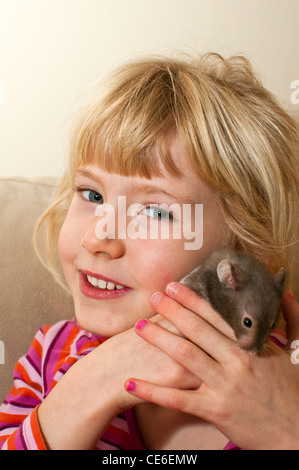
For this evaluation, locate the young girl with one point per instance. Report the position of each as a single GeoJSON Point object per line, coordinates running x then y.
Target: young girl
{"type": "Point", "coordinates": [163, 135]}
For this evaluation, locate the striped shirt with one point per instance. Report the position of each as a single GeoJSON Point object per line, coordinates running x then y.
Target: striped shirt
{"type": "Point", "coordinates": [53, 351]}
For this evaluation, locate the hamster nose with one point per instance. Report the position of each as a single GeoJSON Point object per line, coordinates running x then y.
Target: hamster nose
{"type": "Point", "coordinates": [246, 342]}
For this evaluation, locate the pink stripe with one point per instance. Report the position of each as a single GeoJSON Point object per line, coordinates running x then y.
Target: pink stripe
{"type": "Point", "coordinates": [32, 373]}
{"type": "Point", "coordinates": [12, 429]}
{"type": "Point", "coordinates": [69, 338]}
{"type": "Point", "coordinates": [231, 446]}
{"type": "Point", "coordinates": [28, 435]}
{"type": "Point", "coordinates": [56, 340]}
{"type": "Point", "coordinates": [19, 441]}
{"type": "Point", "coordinates": [4, 447]}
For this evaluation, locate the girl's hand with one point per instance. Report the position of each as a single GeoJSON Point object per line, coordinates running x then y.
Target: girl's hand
{"type": "Point", "coordinates": [91, 392]}
{"type": "Point", "coordinates": [252, 399]}
{"type": "Point", "coordinates": [126, 354]}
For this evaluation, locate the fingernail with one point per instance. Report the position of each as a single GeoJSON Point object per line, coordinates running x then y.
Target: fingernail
{"type": "Point", "coordinates": [172, 289]}
{"type": "Point", "coordinates": [291, 295]}
{"type": "Point", "coordinates": [141, 324]}
{"type": "Point", "coordinates": [130, 386]}
{"type": "Point", "coordinates": [155, 298]}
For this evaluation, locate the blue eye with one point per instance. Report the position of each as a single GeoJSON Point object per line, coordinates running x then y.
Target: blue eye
{"type": "Point", "coordinates": [92, 196]}
{"type": "Point", "coordinates": [157, 213]}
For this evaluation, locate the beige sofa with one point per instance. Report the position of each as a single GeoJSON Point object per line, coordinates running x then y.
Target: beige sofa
{"type": "Point", "coordinates": [29, 298]}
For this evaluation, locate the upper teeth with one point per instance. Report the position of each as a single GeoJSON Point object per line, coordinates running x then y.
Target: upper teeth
{"type": "Point", "coordinates": [103, 284]}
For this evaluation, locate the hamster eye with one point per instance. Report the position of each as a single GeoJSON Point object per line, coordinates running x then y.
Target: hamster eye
{"type": "Point", "coordinates": [247, 322]}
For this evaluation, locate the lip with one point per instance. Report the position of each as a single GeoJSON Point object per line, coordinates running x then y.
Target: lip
{"type": "Point", "coordinates": [100, 294]}
{"type": "Point", "coordinates": [100, 276]}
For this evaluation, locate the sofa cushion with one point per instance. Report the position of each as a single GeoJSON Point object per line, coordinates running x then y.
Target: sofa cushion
{"type": "Point", "coordinates": [29, 297]}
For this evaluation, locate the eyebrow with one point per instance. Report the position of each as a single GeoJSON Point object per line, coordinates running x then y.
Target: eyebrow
{"type": "Point", "coordinates": [147, 188]}
{"type": "Point", "coordinates": [153, 189]}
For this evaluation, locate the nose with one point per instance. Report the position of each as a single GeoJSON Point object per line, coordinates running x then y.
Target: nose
{"type": "Point", "coordinates": [101, 237]}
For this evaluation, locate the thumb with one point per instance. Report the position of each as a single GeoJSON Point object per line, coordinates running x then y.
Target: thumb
{"type": "Point", "coordinates": [290, 310]}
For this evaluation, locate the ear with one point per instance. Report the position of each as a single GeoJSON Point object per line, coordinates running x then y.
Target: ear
{"type": "Point", "coordinates": [279, 278]}
{"type": "Point", "coordinates": [229, 275]}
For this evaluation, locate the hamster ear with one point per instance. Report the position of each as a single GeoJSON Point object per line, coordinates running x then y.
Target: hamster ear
{"type": "Point", "coordinates": [229, 275]}
{"type": "Point", "coordinates": [279, 278]}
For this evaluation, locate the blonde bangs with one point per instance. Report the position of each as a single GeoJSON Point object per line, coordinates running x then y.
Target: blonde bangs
{"type": "Point", "coordinates": [127, 130]}
{"type": "Point", "coordinates": [118, 154]}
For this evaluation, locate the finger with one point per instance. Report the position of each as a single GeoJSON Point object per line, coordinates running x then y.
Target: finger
{"type": "Point", "coordinates": [192, 326]}
{"type": "Point", "coordinates": [189, 299]}
{"type": "Point", "coordinates": [187, 401]}
{"type": "Point", "coordinates": [182, 351]}
{"type": "Point", "coordinates": [290, 310]}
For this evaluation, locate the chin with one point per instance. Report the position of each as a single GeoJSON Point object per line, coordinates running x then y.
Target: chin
{"type": "Point", "coordinates": [102, 323]}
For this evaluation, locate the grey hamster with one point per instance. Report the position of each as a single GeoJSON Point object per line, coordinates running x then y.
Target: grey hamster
{"type": "Point", "coordinates": [243, 291]}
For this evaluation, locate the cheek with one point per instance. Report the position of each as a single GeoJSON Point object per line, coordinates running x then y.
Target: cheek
{"type": "Point", "coordinates": [157, 263]}
{"type": "Point", "coordinates": [160, 262]}
{"type": "Point", "coordinates": [68, 240]}
{"type": "Point", "coordinates": [62, 245]}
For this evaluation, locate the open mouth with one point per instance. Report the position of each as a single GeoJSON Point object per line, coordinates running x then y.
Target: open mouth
{"type": "Point", "coordinates": [102, 284]}
{"type": "Point", "coordinates": [99, 288]}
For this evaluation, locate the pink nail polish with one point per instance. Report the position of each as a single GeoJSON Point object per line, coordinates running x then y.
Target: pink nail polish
{"type": "Point", "coordinates": [291, 295]}
{"type": "Point", "coordinates": [141, 324]}
{"type": "Point", "coordinates": [130, 386]}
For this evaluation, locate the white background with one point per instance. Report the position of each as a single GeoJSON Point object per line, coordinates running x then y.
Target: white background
{"type": "Point", "coordinates": [50, 50]}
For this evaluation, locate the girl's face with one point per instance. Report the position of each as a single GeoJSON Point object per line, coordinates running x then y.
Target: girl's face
{"type": "Point", "coordinates": [115, 259]}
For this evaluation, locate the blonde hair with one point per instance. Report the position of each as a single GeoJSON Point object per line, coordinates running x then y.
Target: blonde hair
{"type": "Point", "coordinates": [238, 138]}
